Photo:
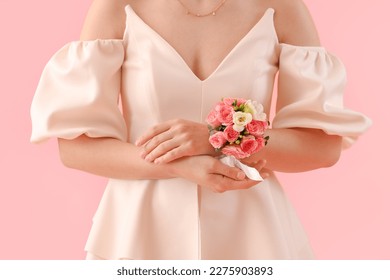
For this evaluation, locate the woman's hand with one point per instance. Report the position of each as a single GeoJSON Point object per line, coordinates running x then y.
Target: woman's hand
{"type": "Point", "coordinates": [174, 139]}
{"type": "Point", "coordinates": [209, 172]}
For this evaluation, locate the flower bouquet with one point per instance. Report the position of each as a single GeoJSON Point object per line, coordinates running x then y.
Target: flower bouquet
{"type": "Point", "coordinates": [237, 129]}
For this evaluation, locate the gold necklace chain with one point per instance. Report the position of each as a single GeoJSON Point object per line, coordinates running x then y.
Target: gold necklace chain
{"type": "Point", "coordinates": [212, 13]}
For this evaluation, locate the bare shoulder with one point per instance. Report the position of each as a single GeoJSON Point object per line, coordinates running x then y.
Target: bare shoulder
{"type": "Point", "coordinates": [106, 19]}
{"type": "Point", "coordinates": [294, 23]}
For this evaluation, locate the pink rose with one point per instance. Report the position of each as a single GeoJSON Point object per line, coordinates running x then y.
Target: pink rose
{"type": "Point", "coordinates": [249, 145]}
{"type": "Point", "coordinates": [235, 151]}
{"type": "Point", "coordinates": [212, 119]}
{"type": "Point", "coordinates": [256, 128]}
{"type": "Point", "coordinates": [217, 140]}
{"type": "Point", "coordinates": [260, 144]}
{"type": "Point", "coordinates": [229, 101]}
{"type": "Point", "coordinates": [230, 134]}
{"type": "Point", "coordinates": [225, 114]}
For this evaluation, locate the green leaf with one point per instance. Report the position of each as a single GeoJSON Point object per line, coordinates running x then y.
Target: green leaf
{"type": "Point", "coordinates": [221, 128]}
{"type": "Point", "coordinates": [241, 108]}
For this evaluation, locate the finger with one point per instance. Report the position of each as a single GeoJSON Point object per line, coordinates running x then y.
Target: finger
{"type": "Point", "coordinates": [265, 175]}
{"type": "Point", "coordinates": [258, 165]}
{"type": "Point", "coordinates": [151, 133]}
{"type": "Point", "coordinates": [178, 150]}
{"type": "Point", "coordinates": [172, 155]}
{"type": "Point", "coordinates": [155, 142]}
{"type": "Point", "coordinates": [230, 172]}
{"type": "Point", "coordinates": [241, 185]}
{"type": "Point", "coordinates": [228, 184]}
{"type": "Point", "coordinates": [160, 150]}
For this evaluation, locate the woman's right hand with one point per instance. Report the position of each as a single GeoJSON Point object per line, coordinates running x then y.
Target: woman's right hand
{"type": "Point", "coordinates": [209, 172]}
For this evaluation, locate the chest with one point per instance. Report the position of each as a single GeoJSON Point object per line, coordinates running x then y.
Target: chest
{"type": "Point", "coordinates": [203, 43]}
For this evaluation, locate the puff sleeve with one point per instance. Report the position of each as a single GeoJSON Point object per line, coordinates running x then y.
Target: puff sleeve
{"type": "Point", "coordinates": [78, 93]}
{"type": "Point", "coordinates": [310, 94]}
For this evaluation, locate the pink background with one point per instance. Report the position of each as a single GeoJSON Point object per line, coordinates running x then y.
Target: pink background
{"type": "Point", "coordinates": [46, 209]}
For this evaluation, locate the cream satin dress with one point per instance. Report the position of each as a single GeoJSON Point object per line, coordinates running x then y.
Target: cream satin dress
{"type": "Point", "coordinates": [176, 219]}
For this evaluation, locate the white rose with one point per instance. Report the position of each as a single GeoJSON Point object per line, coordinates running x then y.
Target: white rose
{"type": "Point", "coordinates": [261, 117]}
{"type": "Point", "coordinates": [256, 109]}
{"type": "Point", "coordinates": [240, 120]}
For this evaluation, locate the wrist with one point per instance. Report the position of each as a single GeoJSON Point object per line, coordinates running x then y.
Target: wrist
{"type": "Point", "coordinates": [209, 150]}
{"type": "Point", "coordinates": [175, 168]}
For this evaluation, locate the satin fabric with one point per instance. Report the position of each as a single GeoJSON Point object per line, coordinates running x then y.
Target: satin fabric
{"type": "Point", "coordinates": [78, 93]}
{"type": "Point", "coordinates": [316, 98]}
{"type": "Point", "coordinates": [175, 218]}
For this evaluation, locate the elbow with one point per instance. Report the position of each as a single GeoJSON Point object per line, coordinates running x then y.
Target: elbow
{"type": "Point", "coordinates": [64, 153]}
{"type": "Point", "coordinates": [67, 153]}
{"type": "Point", "coordinates": [332, 151]}
{"type": "Point", "coordinates": [331, 159]}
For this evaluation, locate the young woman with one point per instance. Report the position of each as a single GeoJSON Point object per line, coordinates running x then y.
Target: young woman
{"type": "Point", "coordinates": [169, 62]}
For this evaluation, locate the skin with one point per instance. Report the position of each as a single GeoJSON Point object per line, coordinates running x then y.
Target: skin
{"type": "Point", "coordinates": [180, 148]}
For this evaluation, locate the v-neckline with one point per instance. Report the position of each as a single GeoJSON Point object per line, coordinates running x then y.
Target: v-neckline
{"type": "Point", "coordinates": [180, 57]}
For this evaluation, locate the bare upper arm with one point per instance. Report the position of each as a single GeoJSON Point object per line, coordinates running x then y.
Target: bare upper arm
{"type": "Point", "coordinates": [294, 23]}
{"type": "Point", "coordinates": [106, 19]}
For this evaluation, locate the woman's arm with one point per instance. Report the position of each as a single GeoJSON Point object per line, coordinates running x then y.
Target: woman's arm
{"type": "Point", "coordinates": [115, 159]}
{"type": "Point", "coordinates": [106, 156]}
{"type": "Point", "coordinates": [298, 150]}
{"type": "Point", "coordinates": [294, 24]}
{"type": "Point", "coordinates": [288, 150]}
{"type": "Point", "coordinates": [106, 19]}
{"type": "Point", "coordinates": [110, 158]}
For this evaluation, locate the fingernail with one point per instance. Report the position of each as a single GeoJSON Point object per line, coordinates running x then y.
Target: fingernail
{"type": "Point", "coordinates": [148, 158]}
{"type": "Point", "coordinates": [143, 154]}
{"type": "Point", "coordinates": [157, 160]}
{"type": "Point", "coordinates": [241, 175]}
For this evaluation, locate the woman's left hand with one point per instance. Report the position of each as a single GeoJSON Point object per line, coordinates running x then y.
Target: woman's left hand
{"type": "Point", "coordinates": [174, 139]}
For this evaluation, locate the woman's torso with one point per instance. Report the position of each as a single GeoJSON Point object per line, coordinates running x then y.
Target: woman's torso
{"type": "Point", "coordinates": [175, 218]}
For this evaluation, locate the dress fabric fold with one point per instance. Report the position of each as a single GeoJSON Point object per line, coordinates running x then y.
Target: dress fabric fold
{"type": "Point", "coordinates": [310, 94]}
{"type": "Point", "coordinates": [78, 92]}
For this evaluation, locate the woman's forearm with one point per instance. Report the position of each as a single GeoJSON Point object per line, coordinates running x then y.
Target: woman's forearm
{"type": "Point", "coordinates": [110, 158]}
{"type": "Point", "coordinates": [288, 150]}
{"type": "Point", "coordinates": [298, 150]}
